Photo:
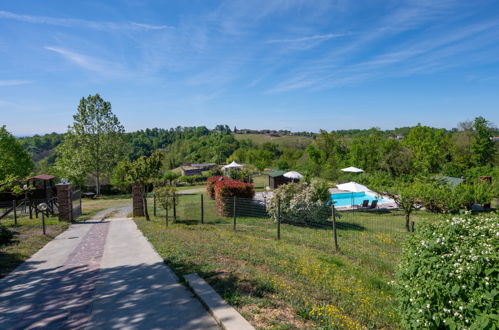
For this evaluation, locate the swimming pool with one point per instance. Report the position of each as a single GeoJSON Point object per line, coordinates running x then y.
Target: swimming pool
{"type": "Point", "coordinates": [355, 198]}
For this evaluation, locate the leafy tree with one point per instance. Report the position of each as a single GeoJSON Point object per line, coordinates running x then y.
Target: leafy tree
{"type": "Point", "coordinates": [482, 146]}
{"type": "Point", "coordinates": [119, 178]}
{"type": "Point", "coordinates": [429, 147]}
{"type": "Point", "coordinates": [165, 195]}
{"type": "Point", "coordinates": [404, 194]}
{"type": "Point", "coordinates": [366, 151]}
{"type": "Point", "coordinates": [170, 177]}
{"type": "Point", "coordinates": [144, 171]}
{"type": "Point", "coordinates": [14, 159]}
{"type": "Point", "coordinates": [95, 141]}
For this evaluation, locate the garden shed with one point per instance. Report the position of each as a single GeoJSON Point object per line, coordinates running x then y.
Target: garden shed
{"type": "Point", "coordinates": [191, 170]}
{"type": "Point", "coordinates": [277, 178]}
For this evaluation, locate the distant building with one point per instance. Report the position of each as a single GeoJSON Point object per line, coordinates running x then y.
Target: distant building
{"type": "Point", "coordinates": [495, 138]}
{"type": "Point", "coordinates": [277, 178]}
{"type": "Point", "coordinates": [204, 167]}
{"type": "Point", "coordinates": [190, 171]}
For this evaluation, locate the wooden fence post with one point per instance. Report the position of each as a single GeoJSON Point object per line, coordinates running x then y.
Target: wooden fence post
{"type": "Point", "coordinates": [412, 226]}
{"type": "Point", "coordinates": [202, 209]}
{"type": "Point", "coordinates": [235, 210]}
{"type": "Point", "coordinates": [279, 219]}
{"type": "Point", "coordinates": [154, 204]}
{"type": "Point", "coordinates": [14, 206]}
{"type": "Point", "coordinates": [174, 208]}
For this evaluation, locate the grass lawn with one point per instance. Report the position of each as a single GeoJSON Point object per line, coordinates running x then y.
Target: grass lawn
{"type": "Point", "coordinates": [297, 282]}
{"type": "Point", "coordinates": [29, 236]}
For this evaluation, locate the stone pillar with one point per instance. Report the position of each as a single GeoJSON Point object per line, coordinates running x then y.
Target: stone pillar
{"type": "Point", "coordinates": [64, 191]}
{"type": "Point", "coordinates": [138, 204]}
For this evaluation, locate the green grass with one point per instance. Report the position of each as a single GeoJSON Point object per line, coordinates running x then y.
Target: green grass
{"type": "Point", "coordinates": [297, 282]}
{"type": "Point", "coordinates": [300, 142]}
{"type": "Point", "coordinates": [29, 236]}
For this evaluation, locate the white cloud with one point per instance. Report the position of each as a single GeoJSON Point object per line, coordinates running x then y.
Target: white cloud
{"type": "Point", "coordinates": [74, 22]}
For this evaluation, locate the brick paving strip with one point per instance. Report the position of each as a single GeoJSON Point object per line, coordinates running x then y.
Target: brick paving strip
{"type": "Point", "coordinates": [66, 301]}
{"type": "Point", "coordinates": [98, 275]}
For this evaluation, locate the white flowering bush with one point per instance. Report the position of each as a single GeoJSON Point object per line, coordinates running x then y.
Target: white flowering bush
{"type": "Point", "coordinates": [448, 276]}
{"type": "Point", "coordinates": [300, 203]}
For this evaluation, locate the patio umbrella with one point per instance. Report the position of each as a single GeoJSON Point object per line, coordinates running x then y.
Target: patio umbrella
{"type": "Point", "coordinates": [293, 175]}
{"type": "Point", "coordinates": [352, 169]}
{"type": "Point", "coordinates": [232, 165]}
{"type": "Point", "coordinates": [353, 187]}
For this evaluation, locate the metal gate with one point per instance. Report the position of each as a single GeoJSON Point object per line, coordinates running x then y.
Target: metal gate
{"type": "Point", "coordinates": [75, 205]}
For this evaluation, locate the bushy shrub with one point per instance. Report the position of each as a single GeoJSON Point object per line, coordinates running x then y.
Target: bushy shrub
{"type": "Point", "coordinates": [6, 235]}
{"type": "Point", "coordinates": [225, 190]}
{"type": "Point", "coordinates": [448, 276]}
{"type": "Point", "coordinates": [300, 202]}
{"type": "Point", "coordinates": [210, 182]}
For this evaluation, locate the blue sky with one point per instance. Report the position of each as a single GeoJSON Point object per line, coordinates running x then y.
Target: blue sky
{"type": "Point", "coordinates": [285, 64]}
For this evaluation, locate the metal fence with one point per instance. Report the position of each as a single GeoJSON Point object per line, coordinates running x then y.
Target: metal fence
{"type": "Point", "coordinates": [377, 232]}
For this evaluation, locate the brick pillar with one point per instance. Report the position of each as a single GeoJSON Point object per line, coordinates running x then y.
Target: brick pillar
{"type": "Point", "coordinates": [138, 204]}
{"type": "Point", "coordinates": [64, 191]}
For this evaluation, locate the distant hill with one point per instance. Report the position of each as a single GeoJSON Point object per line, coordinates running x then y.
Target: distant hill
{"type": "Point", "coordinates": [285, 141]}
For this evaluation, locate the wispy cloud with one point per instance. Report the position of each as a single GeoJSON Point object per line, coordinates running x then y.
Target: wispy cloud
{"type": "Point", "coordinates": [319, 37]}
{"type": "Point", "coordinates": [74, 22]}
{"type": "Point", "coordinates": [88, 62]}
{"type": "Point", "coordinates": [14, 82]}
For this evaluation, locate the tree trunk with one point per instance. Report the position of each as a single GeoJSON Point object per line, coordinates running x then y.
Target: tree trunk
{"type": "Point", "coordinates": [407, 222]}
{"type": "Point", "coordinates": [97, 183]}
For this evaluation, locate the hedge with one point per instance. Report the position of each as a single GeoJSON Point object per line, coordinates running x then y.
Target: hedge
{"type": "Point", "coordinates": [448, 276]}
{"type": "Point", "coordinates": [226, 190]}
{"type": "Point", "coordinates": [210, 182]}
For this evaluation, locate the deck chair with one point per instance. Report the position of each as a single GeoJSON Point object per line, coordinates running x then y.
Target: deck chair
{"type": "Point", "coordinates": [374, 204]}
{"type": "Point", "coordinates": [365, 203]}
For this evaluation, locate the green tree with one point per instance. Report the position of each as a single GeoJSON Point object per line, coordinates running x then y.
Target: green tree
{"type": "Point", "coordinates": [144, 171]}
{"type": "Point", "coordinates": [366, 151]}
{"type": "Point", "coordinates": [94, 143]}
{"type": "Point", "coordinates": [14, 159]}
{"type": "Point", "coordinates": [482, 146]}
{"type": "Point", "coordinates": [429, 147]}
{"type": "Point", "coordinates": [170, 177]}
{"type": "Point", "coordinates": [165, 196]}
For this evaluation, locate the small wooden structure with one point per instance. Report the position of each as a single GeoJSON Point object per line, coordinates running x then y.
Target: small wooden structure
{"type": "Point", "coordinates": [277, 178]}
{"type": "Point", "coordinates": [204, 167]}
{"type": "Point", "coordinates": [190, 170]}
{"type": "Point", "coordinates": [42, 187]}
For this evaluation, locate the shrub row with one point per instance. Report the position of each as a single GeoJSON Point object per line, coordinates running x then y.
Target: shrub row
{"type": "Point", "coordinates": [226, 190]}
{"type": "Point", "coordinates": [210, 184]}
{"type": "Point", "coordinates": [448, 276]}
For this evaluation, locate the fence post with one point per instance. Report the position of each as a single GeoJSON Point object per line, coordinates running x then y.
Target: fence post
{"type": "Point", "coordinates": [30, 211]}
{"type": "Point", "coordinates": [154, 205]}
{"type": "Point", "coordinates": [174, 207]}
{"type": "Point", "coordinates": [14, 206]}
{"type": "Point", "coordinates": [279, 219]}
{"type": "Point", "coordinates": [234, 226]}
{"type": "Point", "coordinates": [335, 237]}
{"type": "Point", "coordinates": [412, 226]}
{"type": "Point", "coordinates": [43, 223]}
{"type": "Point", "coordinates": [166, 216]}
{"type": "Point", "coordinates": [202, 209]}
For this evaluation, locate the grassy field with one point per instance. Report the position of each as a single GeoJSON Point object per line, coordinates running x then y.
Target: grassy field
{"type": "Point", "coordinates": [297, 282]}
{"type": "Point", "coordinates": [29, 236]}
{"type": "Point", "coordinates": [285, 141]}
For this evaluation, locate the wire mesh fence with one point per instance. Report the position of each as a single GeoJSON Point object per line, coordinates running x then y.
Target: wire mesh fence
{"type": "Point", "coordinates": [367, 234]}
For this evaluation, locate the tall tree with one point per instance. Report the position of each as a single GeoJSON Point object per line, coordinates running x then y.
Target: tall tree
{"type": "Point", "coordinates": [144, 171]}
{"type": "Point", "coordinates": [94, 143]}
{"type": "Point", "coordinates": [429, 147]}
{"type": "Point", "coordinates": [482, 146]}
{"type": "Point", "coordinates": [15, 161]}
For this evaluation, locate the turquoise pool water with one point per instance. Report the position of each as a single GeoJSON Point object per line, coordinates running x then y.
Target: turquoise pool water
{"type": "Point", "coordinates": [356, 198]}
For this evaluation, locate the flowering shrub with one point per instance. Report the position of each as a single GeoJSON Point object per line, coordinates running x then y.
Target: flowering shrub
{"type": "Point", "coordinates": [225, 190]}
{"type": "Point", "coordinates": [448, 276]}
{"type": "Point", "coordinates": [210, 182]}
{"type": "Point", "coordinates": [300, 203]}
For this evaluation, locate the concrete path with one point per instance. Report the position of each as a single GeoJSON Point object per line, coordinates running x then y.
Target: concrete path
{"type": "Point", "coordinates": [98, 275]}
